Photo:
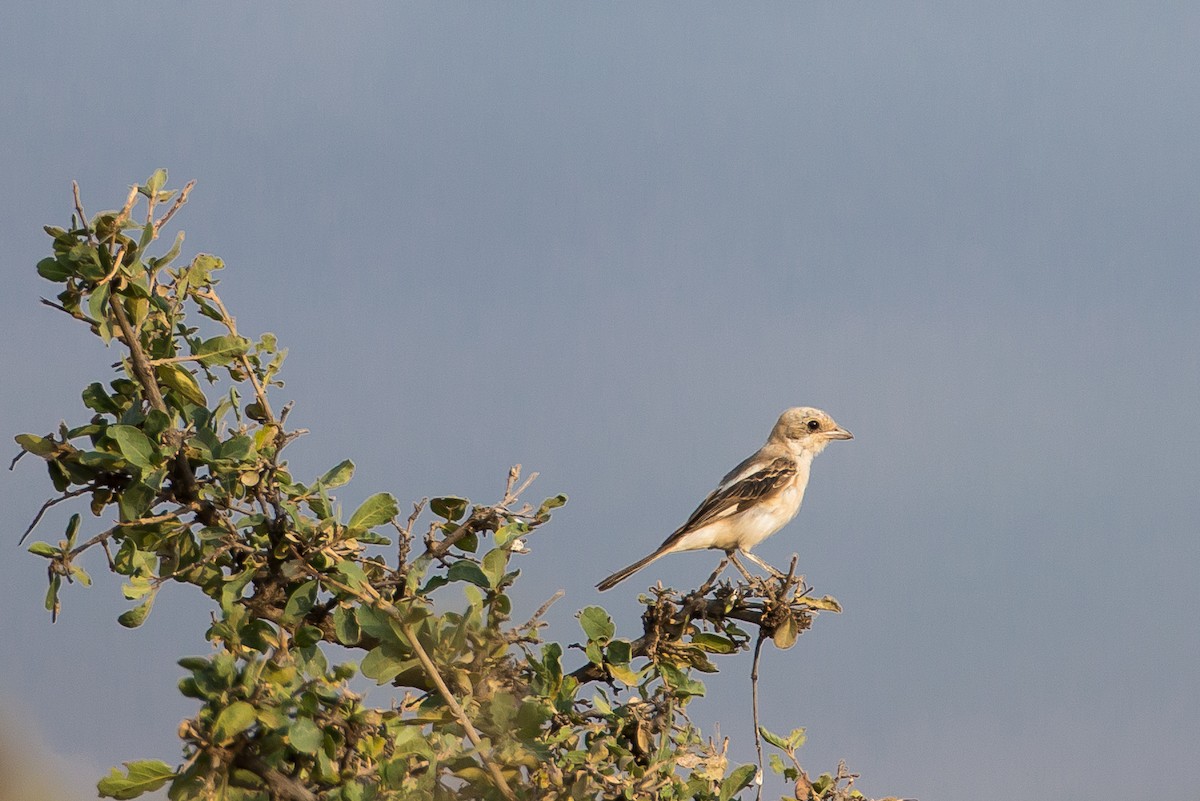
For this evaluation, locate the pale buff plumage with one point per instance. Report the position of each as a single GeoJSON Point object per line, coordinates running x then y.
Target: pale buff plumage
{"type": "Point", "coordinates": [755, 499]}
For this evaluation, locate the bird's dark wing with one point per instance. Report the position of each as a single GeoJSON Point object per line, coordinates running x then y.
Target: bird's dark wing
{"type": "Point", "coordinates": [741, 488]}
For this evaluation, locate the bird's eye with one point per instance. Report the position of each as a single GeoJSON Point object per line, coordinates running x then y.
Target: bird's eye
{"type": "Point", "coordinates": [813, 425]}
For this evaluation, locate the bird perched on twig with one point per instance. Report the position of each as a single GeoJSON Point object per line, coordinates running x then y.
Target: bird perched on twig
{"type": "Point", "coordinates": [757, 498]}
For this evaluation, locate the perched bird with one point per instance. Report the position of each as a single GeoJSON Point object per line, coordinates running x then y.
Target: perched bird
{"type": "Point", "coordinates": [757, 498]}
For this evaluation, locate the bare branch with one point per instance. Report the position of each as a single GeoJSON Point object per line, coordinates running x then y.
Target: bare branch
{"type": "Point", "coordinates": [179, 201]}
{"type": "Point", "coordinates": [141, 365]}
{"type": "Point", "coordinates": [46, 506]}
{"type": "Point", "coordinates": [456, 708]}
{"type": "Point", "coordinates": [754, 705]}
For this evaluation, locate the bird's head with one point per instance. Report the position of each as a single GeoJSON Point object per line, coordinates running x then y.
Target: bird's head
{"type": "Point", "coordinates": [807, 428]}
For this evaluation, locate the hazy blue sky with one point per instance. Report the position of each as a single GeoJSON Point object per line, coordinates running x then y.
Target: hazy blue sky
{"type": "Point", "coordinates": [612, 243]}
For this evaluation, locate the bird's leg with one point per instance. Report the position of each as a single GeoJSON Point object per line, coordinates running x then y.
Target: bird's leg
{"type": "Point", "coordinates": [706, 586]}
{"type": "Point", "coordinates": [761, 564]}
{"type": "Point", "coordinates": [742, 568]}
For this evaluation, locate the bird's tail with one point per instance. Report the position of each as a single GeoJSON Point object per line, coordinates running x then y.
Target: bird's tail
{"type": "Point", "coordinates": [626, 572]}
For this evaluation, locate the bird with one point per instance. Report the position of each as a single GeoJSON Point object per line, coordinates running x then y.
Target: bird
{"type": "Point", "coordinates": [755, 499]}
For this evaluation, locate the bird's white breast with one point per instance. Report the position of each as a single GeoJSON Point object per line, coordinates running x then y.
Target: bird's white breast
{"type": "Point", "coordinates": [750, 526]}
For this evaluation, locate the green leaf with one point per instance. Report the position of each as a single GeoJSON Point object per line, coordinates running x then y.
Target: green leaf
{"type": "Point", "coordinates": [156, 422]}
{"type": "Point", "coordinates": [221, 350]}
{"type": "Point", "coordinates": [773, 739]}
{"type": "Point", "coordinates": [449, 507]}
{"type": "Point", "coordinates": [135, 446]}
{"type": "Point", "coordinates": [54, 270]}
{"type": "Point", "coordinates": [345, 625]}
{"type": "Point", "coordinates": [169, 256]}
{"type": "Point", "coordinates": [135, 617]}
{"type": "Point", "coordinates": [81, 575]}
{"type": "Point", "coordinates": [234, 586]}
{"type": "Point", "coordinates": [786, 633]}
{"type": "Point", "coordinates": [543, 512]}
{"type": "Point", "coordinates": [626, 675]}
{"type": "Point", "coordinates": [468, 543]}
{"type": "Point", "coordinates": [235, 449]}
{"type": "Point", "coordinates": [827, 603]}
{"type": "Point", "coordinates": [300, 602]}
{"type": "Point", "coordinates": [618, 652]}
{"type": "Point", "coordinates": [155, 182]}
{"type": "Point", "coordinates": [98, 303]}
{"type": "Point", "coordinates": [494, 563]}
{"type": "Point", "coordinates": [96, 399]}
{"type": "Point", "coordinates": [307, 635]}
{"type": "Point", "coordinates": [38, 446]}
{"type": "Point", "coordinates": [44, 549]}
{"type": "Point", "coordinates": [506, 534]}
{"type": "Point", "coordinates": [714, 643]}
{"type": "Point", "coordinates": [52, 595]}
{"type": "Point", "coordinates": [738, 780]}
{"type": "Point", "coordinates": [136, 500]}
{"type": "Point", "coordinates": [233, 720]}
{"type": "Point", "coordinates": [601, 704]}
{"type": "Point", "coordinates": [200, 270]}
{"type": "Point", "coordinates": [679, 682]}
{"type": "Point", "coordinates": [597, 624]}
{"type": "Point", "coordinates": [143, 776]}
{"type": "Point", "coordinates": [337, 476]}
{"type": "Point", "coordinates": [797, 737]}
{"type": "Point", "coordinates": [376, 510]}
{"type": "Point", "coordinates": [382, 665]}
{"type": "Point", "coordinates": [354, 575]}
{"type": "Point", "coordinates": [470, 572]}
{"type": "Point", "coordinates": [305, 736]}
{"type": "Point", "coordinates": [181, 382]}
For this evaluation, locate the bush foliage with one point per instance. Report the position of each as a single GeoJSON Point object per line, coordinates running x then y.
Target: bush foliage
{"type": "Point", "coordinates": [183, 455]}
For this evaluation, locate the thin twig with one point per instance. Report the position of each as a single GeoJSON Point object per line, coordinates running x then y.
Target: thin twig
{"type": "Point", "coordinates": [141, 365]}
{"type": "Point", "coordinates": [177, 360]}
{"type": "Point", "coordinates": [179, 201]}
{"type": "Point", "coordinates": [279, 784]}
{"type": "Point", "coordinates": [108, 533]}
{"type": "Point", "coordinates": [513, 474]}
{"type": "Point", "coordinates": [452, 702]}
{"type": "Point", "coordinates": [45, 506]}
{"type": "Point", "coordinates": [754, 708]}
{"type": "Point", "coordinates": [231, 324]}
{"type": "Point", "coordinates": [376, 601]}
{"type": "Point", "coordinates": [128, 207]}
{"type": "Point", "coordinates": [544, 608]}
{"type": "Point", "coordinates": [83, 220]}
{"type": "Point", "coordinates": [76, 314]}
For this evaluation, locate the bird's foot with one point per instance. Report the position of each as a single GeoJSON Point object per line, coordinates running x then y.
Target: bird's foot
{"type": "Point", "coordinates": [775, 573]}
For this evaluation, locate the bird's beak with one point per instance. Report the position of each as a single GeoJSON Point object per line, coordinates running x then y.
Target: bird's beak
{"type": "Point", "coordinates": [839, 433]}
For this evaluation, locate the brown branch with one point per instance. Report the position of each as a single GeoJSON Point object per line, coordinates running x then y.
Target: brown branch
{"type": "Point", "coordinates": [231, 324]}
{"type": "Point", "coordinates": [476, 522]}
{"type": "Point", "coordinates": [51, 502]}
{"type": "Point", "coordinates": [179, 201]}
{"type": "Point", "coordinates": [758, 604]}
{"type": "Point", "coordinates": [78, 315]}
{"type": "Point", "coordinates": [107, 534]}
{"type": "Point", "coordinates": [130, 199]}
{"type": "Point", "coordinates": [117, 255]}
{"type": "Point", "coordinates": [279, 785]}
{"type": "Point", "coordinates": [459, 713]}
{"type": "Point", "coordinates": [141, 365]}
{"type": "Point", "coordinates": [754, 704]}
{"type": "Point", "coordinates": [83, 220]}
{"type": "Point", "coordinates": [371, 597]}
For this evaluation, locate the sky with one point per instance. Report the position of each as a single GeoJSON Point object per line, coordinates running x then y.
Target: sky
{"type": "Point", "coordinates": [612, 242]}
